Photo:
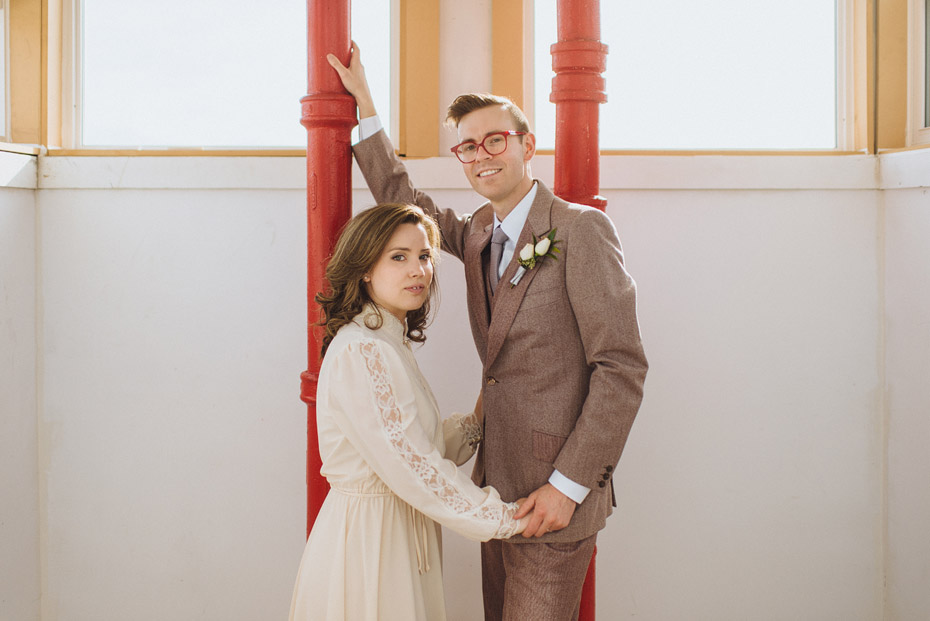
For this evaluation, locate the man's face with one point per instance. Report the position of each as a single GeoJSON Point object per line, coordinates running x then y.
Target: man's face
{"type": "Point", "coordinates": [503, 179]}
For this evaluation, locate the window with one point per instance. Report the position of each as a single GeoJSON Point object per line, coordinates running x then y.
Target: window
{"type": "Point", "coordinates": [215, 73]}
{"type": "Point", "coordinates": [721, 74]}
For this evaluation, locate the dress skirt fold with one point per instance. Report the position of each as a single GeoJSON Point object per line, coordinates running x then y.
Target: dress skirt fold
{"type": "Point", "coordinates": [355, 567]}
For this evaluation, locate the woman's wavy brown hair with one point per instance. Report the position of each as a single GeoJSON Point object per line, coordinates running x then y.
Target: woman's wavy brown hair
{"type": "Point", "coordinates": [360, 245]}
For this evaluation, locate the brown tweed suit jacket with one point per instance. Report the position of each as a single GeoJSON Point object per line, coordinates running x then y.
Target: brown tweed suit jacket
{"type": "Point", "coordinates": [563, 364]}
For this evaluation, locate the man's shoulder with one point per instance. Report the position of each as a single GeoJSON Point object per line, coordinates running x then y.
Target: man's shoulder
{"type": "Point", "coordinates": [561, 207]}
{"type": "Point", "coordinates": [578, 216]}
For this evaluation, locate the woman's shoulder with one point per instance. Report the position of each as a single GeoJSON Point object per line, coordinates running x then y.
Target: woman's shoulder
{"type": "Point", "coordinates": [348, 335]}
{"type": "Point", "coordinates": [362, 330]}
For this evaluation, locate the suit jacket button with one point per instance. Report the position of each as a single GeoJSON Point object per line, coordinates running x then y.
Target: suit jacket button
{"type": "Point", "coordinates": [606, 476]}
{"type": "Point", "coordinates": [609, 468]}
{"type": "Point", "coordinates": [491, 381]}
{"type": "Point", "coordinates": [601, 484]}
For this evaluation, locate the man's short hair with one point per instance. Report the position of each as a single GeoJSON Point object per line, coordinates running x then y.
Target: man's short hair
{"type": "Point", "coordinates": [469, 102]}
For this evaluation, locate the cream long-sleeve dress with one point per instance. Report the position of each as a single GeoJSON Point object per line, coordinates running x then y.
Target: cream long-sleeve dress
{"type": "Point", "coordinates": [374, 553]}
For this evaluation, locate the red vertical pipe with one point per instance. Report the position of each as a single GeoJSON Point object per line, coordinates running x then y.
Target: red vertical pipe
{"type": "Point", "coordinates": [586, 611]}
{"type": "Point", "coordinates": [578, 60]}
{"type": "Point", "coordinates": [328, 113]}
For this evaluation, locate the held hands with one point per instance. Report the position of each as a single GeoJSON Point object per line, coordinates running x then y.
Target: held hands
{"type": "Point", "coordinates": [354, 81]}
{"type": "Point", "coordinates": [522, 522]}
{"type": "Point", "coordinates": [551, 510]}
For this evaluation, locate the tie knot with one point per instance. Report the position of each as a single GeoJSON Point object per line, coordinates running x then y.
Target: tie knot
{"type": "Point", "coordinates": [499, 236]}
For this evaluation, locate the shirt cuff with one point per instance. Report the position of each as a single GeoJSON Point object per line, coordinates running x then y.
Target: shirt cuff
{"type": "Point", "coordinates": [368, 127]}
{"type": "Point", "coordinates": [568, 487]}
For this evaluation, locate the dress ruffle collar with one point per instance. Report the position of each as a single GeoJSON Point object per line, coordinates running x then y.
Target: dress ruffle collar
{"type": "Point", "coordinates": [393, 327]}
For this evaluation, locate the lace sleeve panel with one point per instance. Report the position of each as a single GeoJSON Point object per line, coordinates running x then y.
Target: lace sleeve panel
{"type": "Point", "coordinates": [438, 484]}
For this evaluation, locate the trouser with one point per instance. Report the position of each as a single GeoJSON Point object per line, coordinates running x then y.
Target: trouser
{"type": "Point", "coordinates": [538, 581]}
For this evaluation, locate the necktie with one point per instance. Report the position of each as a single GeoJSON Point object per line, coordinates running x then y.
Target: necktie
{"type": "Point", "coordinates": [497, 248]}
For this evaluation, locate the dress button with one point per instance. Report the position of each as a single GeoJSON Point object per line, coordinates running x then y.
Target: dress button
{"type": "Point", "coordinates": [491, 381]}
{"type": "Point", "coordinates": [601, 484]}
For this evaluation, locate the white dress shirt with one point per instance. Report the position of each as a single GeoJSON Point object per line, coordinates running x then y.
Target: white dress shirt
{"type": "Point", "coordinates": [513, 226]}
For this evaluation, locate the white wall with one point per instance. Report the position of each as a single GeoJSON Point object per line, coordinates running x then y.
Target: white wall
{"type": "Point", "coordinates": [754, 469]}
{"type": "Point", "coordinates": [171, 426]}
{"type": "Point", "coordinates": [464, 32]}
{"type": "Point", "coordinates": [174, 336]}
{"type": "Point", "coordinates": [19, 495]}
{"type": "Point", "coordinates": [907, 332]}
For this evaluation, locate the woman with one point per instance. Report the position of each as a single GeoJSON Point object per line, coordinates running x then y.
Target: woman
{"type": "Point", "coordinates": [375, 552]}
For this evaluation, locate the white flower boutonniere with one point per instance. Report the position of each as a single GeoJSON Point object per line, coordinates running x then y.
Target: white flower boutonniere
{"type": "Point", "coordinates": [535, 252]}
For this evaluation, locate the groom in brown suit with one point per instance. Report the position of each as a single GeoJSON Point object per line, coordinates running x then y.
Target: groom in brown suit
{"type": "Point", "coordinates": [562, 362]}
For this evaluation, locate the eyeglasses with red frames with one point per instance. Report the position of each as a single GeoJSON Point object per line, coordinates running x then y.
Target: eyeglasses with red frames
{"type": "Point", "coordinates": [493, 144]}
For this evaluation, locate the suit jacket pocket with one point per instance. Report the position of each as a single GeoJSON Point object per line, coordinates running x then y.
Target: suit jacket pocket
{"type": "Point", "coordinates": [546, 447]}
{"type": "Point", "coordinates": [544, 297]}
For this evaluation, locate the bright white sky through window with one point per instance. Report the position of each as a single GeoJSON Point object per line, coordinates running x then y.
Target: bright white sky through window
{"type": "Point", "coordinates": [715, 74]}
{"type": "Point", "coordinates": [216, 73]}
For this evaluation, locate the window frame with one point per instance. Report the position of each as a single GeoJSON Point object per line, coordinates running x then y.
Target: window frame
{"type": "Point", "coordinates": [852, 76]}
{"type": "Point", "coordinates": [918, 98]}
{"type": "Point", "coordinates": [5, 70]}
{"type": "Point", "coordinates": [71, 80]}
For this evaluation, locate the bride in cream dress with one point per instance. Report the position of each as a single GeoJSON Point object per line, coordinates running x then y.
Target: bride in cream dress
{"type": "Point", "coordinates": [375, 550]}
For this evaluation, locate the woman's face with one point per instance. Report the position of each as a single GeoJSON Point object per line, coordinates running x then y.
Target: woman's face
{"type": "Point", "coordinates": [400, 279]}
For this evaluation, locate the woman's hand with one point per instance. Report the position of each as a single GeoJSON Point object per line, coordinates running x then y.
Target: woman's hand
{"type": "Point", "coordinates": [354, 81]}
{"type": "Point", "coordinates": [522, 522]}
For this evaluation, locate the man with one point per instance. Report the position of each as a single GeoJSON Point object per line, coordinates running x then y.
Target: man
{"type": "Point", "coordinates": [563, 364]}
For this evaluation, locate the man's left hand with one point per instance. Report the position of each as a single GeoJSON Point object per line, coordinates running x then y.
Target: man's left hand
{"type": "Point", "coordinates": [552, 510]}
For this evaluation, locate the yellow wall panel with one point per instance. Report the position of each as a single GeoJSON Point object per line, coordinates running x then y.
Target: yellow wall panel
{"type": "Point", "coordinates": [419, 78]}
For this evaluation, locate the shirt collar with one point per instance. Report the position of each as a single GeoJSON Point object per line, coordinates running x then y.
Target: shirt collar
{"type": "Point", "coordinates": [514, 221]}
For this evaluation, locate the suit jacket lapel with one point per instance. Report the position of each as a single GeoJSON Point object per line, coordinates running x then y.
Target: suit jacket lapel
{"type": "Point", "coordinates": [475, 277]}
{"type": "Point", "coordinates": [507, 299]}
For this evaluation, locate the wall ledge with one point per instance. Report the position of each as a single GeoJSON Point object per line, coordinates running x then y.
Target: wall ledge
{"type": "Point", "coordinates": [905, 169]}
{"type": "Point", "coordinates": [887, 171]}
{"type": "Point", "coordinates": [618, 172]}
{"type": "Point", "coordinates": [17, 170]}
